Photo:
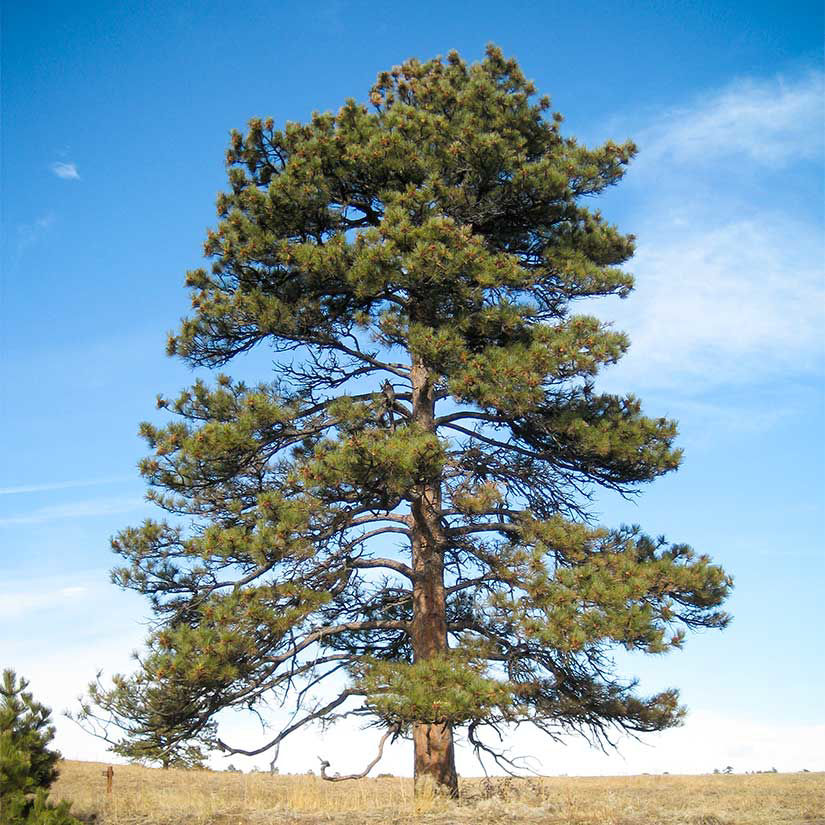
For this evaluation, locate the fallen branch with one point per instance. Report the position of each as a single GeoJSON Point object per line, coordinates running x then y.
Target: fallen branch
{"type": "Point", "coordinates": [393, 731]}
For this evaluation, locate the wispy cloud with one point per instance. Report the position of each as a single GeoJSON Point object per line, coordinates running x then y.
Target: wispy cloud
{"type": "Point", "coordinates": [60, 485]}
{"type": "Point", "coordinates": [740, 301]}
{"type": "Point", "coordinates": [16, 604]}
{"type": "Point", "coordinates": [729, 268]}
{"type": "Point", "coordinates": [73, 510]}
{"type": "Point", "coordinates": [772, 121]}
{"type": "Point", "coordinates": [29, 234]}
{"type": "Point", "coordinates": [65, 171]}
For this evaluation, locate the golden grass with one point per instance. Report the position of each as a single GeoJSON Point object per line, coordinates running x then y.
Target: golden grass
{"type": "Point", "coordinates": [147, 796]}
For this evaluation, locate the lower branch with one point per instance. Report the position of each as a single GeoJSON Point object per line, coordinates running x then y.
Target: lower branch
{"type": "Point", "coordinates": [310, 717]}
{"type": "Point", "coordinates": [512, 767]}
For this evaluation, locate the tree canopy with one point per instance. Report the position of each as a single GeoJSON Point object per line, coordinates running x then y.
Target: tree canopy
{"type": "Point", "coordinates": [401, 512]}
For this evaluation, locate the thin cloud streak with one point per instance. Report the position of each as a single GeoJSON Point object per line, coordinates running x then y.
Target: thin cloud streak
{"type": "Point", "coordinates": [65, 171]}
{"type": "Point", "coordinates": [60, 485]}
{"type": "Point", "coordinates": [74, 510]}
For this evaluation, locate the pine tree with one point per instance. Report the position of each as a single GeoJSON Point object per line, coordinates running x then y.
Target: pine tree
{"type": "Point", "coordinates": [402, 511]}
{"type": "Point", "coordinates": [27, 765]}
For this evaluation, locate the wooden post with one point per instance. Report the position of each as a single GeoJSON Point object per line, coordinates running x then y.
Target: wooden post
{"type": "Point", "coordinates": [109, 773]}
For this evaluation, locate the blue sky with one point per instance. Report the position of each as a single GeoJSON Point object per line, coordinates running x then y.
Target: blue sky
{"type": "Point", "coordinates": [115, 121]}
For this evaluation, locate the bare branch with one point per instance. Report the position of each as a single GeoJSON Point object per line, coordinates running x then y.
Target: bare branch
{"type": "Point", "coordinates": [391, 564]}
{"type": "Point", "coordinates": [494, 418]}
{"type": "Point", "coordinates": [487, 527]}
{"type": "Point", "coordinates": [401, 370]}
{"type": "Point", "coordinates": [508, 765]}
{"type": "Point", "coordinates": [493, 442]}
{"type": "Point", "coordinates": [333, 630]}
{"type": "Point", "coordinates": [378, 532]}
{"type": "Point", "coordinates": [399, 519]}
{"type": "Point", "coordinates": [463, 585]}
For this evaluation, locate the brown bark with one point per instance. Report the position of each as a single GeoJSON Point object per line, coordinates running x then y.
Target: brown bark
{"type": "Point", "coordinates": [435, 771]}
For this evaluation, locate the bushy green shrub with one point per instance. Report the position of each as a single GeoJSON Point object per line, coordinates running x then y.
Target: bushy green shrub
{"type": "Point", "coordinates": [27, 765]}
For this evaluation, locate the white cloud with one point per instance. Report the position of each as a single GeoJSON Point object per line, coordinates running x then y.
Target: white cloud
{"type": "Point", "coordinates": [772, 122]}
{"type": "Point", "coordinates": [738, 302]}
{"type": "Point", "coordinates": [60, 671]}
{"type": "Point", "coordinates": [730, 268]}
{"type": "Point", "coordinates": [65, 171]}
{"type": "Point", "coordinates": [73, 510]}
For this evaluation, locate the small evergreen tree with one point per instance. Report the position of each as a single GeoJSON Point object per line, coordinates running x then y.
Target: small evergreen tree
{"type": "Point", "coordinates": [403, 512]}
{"type": "Point", "coordinates": [27, 765]}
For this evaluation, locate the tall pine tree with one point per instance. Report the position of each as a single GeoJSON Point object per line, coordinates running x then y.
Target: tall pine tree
{"type": "Point", "coordinates": [401, 513]}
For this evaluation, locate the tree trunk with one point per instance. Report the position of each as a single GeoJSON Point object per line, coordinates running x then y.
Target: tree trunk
{"type": "Point", "coordinates": [433, 743]}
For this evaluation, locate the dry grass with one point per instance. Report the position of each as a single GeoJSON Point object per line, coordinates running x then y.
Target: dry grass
{"type": "Point", "coordinates": [145, 796]}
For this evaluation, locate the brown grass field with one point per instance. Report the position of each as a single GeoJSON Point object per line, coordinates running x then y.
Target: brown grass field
{"type": "Point", "coordinates": [150, 796]}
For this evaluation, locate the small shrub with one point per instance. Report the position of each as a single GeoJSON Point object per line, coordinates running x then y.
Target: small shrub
{"type": "Point", "coordinates": [27, 766]}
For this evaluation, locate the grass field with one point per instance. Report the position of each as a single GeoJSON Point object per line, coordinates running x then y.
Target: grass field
{"type": "Point", "coordinates": [146, 796]}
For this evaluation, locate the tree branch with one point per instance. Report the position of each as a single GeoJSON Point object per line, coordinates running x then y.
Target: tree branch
{"type": "Point", "coordinates": [400, 370]}
{"type": "Point", "coordinates": [310, 717]}
{"type": "Point", "coordinates": [334, 630]}
{"type": "Point", "coordinates": [469, 414]}
{"type": "Point", "coordinates": [493, 442]}
{"type": "Point", "coordinates": [498, 526]}
{"type": "Point", "coordinates": [377, 532]}
{"type": "Point", "coordinates": [463, 585]}
{"type": "Point", "coordinates": [391, 564]}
